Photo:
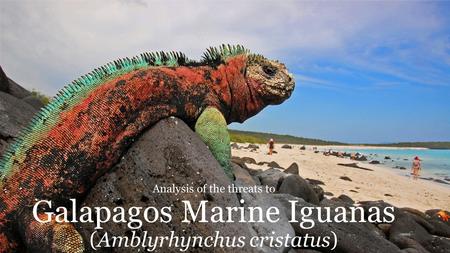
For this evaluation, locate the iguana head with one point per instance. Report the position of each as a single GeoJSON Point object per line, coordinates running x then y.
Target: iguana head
{"type": "Point", "coordinates": [252, 81]}
{"type": "Point", "coordinates": [275, 82]}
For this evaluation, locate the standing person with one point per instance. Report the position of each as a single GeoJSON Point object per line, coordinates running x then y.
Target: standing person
{"type": "Point", "coordinates": [416, 167]}
{"type": "Point", "coordinates": [271, 144]}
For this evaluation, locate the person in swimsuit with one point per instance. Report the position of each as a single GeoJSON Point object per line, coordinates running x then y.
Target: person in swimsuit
{"type": "Point", "coordinates": [416, 167]}
{"type": "Point", "coordinates": [271, 146]}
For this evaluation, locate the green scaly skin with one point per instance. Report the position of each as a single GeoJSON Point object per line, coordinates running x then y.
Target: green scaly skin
{"type": "Point", "coordinates": [211, 126]}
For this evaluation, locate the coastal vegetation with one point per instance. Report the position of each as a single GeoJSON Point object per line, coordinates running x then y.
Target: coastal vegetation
{"type": "Point", "coordinates": [258, 137]}
{"type": "Point", "coordinates": [429, 144]}
{"type": "Point", "coordinates": [41, 96]}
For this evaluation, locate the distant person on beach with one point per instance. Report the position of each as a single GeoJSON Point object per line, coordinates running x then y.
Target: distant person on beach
{"type": "Point", "coordinates": [271, 144]}
{"type": "Point", "coordinates": [416, 167]}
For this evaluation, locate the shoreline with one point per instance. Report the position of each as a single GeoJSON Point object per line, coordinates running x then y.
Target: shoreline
{"type": "Point", "coordinates": [434, 175]}
{"type": "Point", "coordinates": [363, 147]}
{"type": "Point", "coordinates": [380, 182]}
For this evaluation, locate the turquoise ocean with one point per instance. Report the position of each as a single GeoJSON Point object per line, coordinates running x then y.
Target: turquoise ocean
{"type": "Point", "coordinates": [435, 163]}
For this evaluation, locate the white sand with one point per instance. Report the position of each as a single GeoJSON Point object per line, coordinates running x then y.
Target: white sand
{"type": "Point", "coordinates": [370, 185]}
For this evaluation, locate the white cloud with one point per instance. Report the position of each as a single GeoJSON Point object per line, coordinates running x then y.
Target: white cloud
{"type": "Point", "coordinates": [45, 44]}
{"type": "Point", "coordinates": [309, 81]}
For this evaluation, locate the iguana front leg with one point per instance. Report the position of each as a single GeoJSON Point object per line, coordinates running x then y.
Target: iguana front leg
{"type": "Point", "coordinates": [211, 126]}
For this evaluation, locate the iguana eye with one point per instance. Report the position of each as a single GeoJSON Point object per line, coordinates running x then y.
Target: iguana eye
{"type": "Point", "coordinates": [269, 70]}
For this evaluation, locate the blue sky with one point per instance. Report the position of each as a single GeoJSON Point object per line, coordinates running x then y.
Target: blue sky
{"type": "Point", "coordinates": [365, 71]}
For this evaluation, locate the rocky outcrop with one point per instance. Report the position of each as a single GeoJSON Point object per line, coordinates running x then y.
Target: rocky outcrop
{"type": "Point", "coordinates": [234, 145]}
{"type": "Point", "coordinates": [274, 165]}
{"type": "Point", "coordinates": [248, 160]}
{"type": "Point", "coordinates": [14, 115]}
{"type": "Point", "coordinates": [167, 154]}
{"type": "Point", "coordinates": [315, 181]}
{"type": "Point", "coordinates": [265, 201]}
{"type": "Point", "coordinates": [411, 233]}
{"type": "Point", "coordinates": [4, 81]}
{"type": "Point", "coordinates": [17, 107]}
{"type": "Point", "coordinates": [271, 164]}
{"type": "Point", "coordinates": [252, 146]}
{"type": "Point", "coordinates": [286, 146]}
{"type": "Point", "coordinates": [298, 187]}
{"type": "Point", "coordinates": [353, 237]}
{"type": "Point", "coordinates": [292, 184]}
{"type": "Point", "coordinates": [243, 160]}
{"type": "Point", "coordinates": [345, 178]}
{"type": "Point", "coordinates": [12, 88]}
{"type": "Point", "coordinates": [361, 158]}
{"type": "Point", "coordinates": [271, 177]}
{"type": "Point", "coordinates": [354, 165]}
{"type": "Point", "coordinates": [292, 169]}
{"type": "Point", "coordinates": [346, 199]}
{"type": "Point", "coordinates": [9, 86]}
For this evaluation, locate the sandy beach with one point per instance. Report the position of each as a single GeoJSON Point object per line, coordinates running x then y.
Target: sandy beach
{"type": "Point", "coordinates": [380, 184]}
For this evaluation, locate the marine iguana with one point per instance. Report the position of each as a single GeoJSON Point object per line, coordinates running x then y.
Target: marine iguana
{"type": "Point", "coordinates": [86, 128]}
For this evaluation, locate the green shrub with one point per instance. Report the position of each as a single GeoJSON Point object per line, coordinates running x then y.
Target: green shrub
{"type": "Point", "coordinates": [43, 98]}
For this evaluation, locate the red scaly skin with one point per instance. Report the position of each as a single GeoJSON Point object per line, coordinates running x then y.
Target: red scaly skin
{"type": "Point", "coordinates": [91, 136]}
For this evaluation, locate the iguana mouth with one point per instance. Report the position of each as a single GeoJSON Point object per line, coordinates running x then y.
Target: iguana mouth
{"type": "Point", "coordinates": [279, 93]}
{"type": "Point", "coordinates": [281, 90]}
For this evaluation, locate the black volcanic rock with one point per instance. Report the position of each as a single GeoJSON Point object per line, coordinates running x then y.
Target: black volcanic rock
{"type": "Point", "coordinates": [274, 164]}
{"type": "Point", "coordinates": [352, 237]}
{"type": "Point", "coordinates": [345, 178]}
{"type": "Point", "coordinates": [252, 146]}
{"type": "Point", "coordinates": [248, 160]}
{"type": "Point", "coordinates": [9, 86]}
{"type": "Point", "coordinates": [408, 234]}
{"type": "Point", "coordinates": [4, 81]}
{"type": "Point", "coordinates": [17, 91]}
{"type": "Point", "coordinates": [271, 177]}
{"type": "Point", "coordinates": [362, 158]}
{"type": "Point", "coordinates": [271, 164]}
{"type": "Point", "coordinates": [17, 107]}
{"type": "Point", "coordinates": [354, 165]}
{"type": "Point", "coordinates": [346, 199]}
{"type": "Point", "coordinates": [242, 160]}
{"type": "Point", "coordinates": [14, 115]}
{"type": "Point", "coordinates": [234, 145]}
{"type": "Point", "coordinates": [432, 222]}
{"type": "Point", "coordinates": [265, 201]}
{"type": "Point", "coordinates": [320, 192]}
{"type": "Point", "coordinates": [168, 153]}
{"type": "Point", "coordinates": [292, 169]}
{"type": "Point", "coordinates": [315, 181]}
{"type": "Point", "coordinates": [299, 187]}
{"type": "Point", "coordinates": [33, 101]}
